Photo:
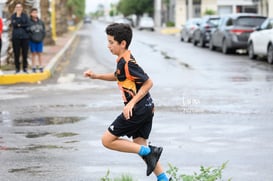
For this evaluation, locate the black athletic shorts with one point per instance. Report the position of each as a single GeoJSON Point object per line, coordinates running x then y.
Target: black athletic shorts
{"type": "Point", "coordinates": [139, 125]}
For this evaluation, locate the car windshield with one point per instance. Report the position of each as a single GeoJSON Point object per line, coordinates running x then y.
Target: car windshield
{"type": "Point", "coordinates": [214, 21]}
{"type": "Point", "coordinates": [250, 21]}
{"type": "Point", "coordinates": [147, 19]}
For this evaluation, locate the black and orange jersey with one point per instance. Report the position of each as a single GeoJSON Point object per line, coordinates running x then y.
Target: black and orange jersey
{"type": "Point", "coordinates": [130, 76]}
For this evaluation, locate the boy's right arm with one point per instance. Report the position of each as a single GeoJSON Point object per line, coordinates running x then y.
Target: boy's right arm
{"type": "Point", "coordinates": [92, 75]}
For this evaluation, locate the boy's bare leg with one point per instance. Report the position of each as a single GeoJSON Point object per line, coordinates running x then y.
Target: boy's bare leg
{"type": "Point", "coordinates": [33, 60]}
{"type": "Point", "coordinates": [115, 143]}
{"type": "Point", "coordinates": [158, 169]}
{"type": "Point", "coordinates": [40, 59]}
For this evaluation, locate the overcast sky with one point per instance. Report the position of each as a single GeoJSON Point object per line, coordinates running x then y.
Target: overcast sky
{"type": "Point", "coordinates": [91, 5]}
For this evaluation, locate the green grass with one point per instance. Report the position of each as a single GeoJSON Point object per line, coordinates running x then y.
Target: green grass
{"type": "Point", "coordinates": [205, 174]}
{"type": "Point", "coordinates": [124, 177]}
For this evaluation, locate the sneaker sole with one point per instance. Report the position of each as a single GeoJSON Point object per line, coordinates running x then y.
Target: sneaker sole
{"type": "Point", "coordinates": [158, 156]}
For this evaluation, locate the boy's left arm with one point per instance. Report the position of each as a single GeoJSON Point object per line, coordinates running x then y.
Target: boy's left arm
{"type": "Point", "coordinates": [128, 109]}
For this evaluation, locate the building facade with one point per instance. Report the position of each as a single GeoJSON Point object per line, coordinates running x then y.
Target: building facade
{"type": "Point", "coordinates": [266, 7]}
{"type": "Point", "coordinates": [179, 11]}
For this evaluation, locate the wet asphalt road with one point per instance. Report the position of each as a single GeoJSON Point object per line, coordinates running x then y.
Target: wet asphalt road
{"type": "Point", "coordinates": [210, 108]}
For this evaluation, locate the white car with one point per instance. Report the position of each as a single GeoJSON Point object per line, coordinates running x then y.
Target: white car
{"type": "Point", "coordinates": [260, 42]}
{"type": "Point", "coordinates": [146, 23]}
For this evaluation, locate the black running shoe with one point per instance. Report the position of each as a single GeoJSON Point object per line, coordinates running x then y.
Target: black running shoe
{"type": "Point", "coordinates": [152, 158]}
{"type": "Point", "coordinates": [41, 69]}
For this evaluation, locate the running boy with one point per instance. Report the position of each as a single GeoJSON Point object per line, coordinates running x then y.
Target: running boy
{"type": "Point", "coordinates": [37, 35]}
{"type": "Point", "coordinates": [136, 119]}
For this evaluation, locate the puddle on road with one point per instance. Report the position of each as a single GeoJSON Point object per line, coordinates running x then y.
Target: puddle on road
{"type": "Point", "coordinates": [46, 121]}
{"type": "Point", "coordinates": [65, 134]}
{"type": "Point", "coordinates": [36, 135]}
{"type": "Point", "coordinates": [167, 57]}
{"type": "Point", "coordinates": [33, 147]}
{"type": "Point", "coordinates": [26, 169]}
{"type": "Point", "coordinates": [240, 79]}
{"type": "Point", "coordinates": [42, 134]}
{"type": "Point", "coordinates": [40, 147]}
{"type": "Point", "coordinates": [269, 78]}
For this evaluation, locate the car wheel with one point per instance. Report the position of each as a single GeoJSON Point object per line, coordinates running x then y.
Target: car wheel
{"type": "Point", "coordinates": [181, 38]}
{"type": "Point", "coordinates": [201, 42]}
{"type": "Point", "coordinates": [250, 50]}
{"type": "Point", "coordinates": [225, 49]}
{"type": "Point", "coordinates": [194, 42]}
{"type": "Point", "coordinates": [211, 46]}
{"type": "Point", "coordinates": [270, 54]}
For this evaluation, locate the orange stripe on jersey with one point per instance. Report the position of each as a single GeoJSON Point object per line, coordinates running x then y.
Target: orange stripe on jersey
{"type": "Point", "coordinates": [127, 72]}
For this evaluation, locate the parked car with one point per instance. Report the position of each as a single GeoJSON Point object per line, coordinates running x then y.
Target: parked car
{"type": "Point", "coordinates": [234, 30]}
{"type": "Point", "coordinates": [87, 20]}
{"type": "Point", "coordinates": [146, 23]}
{"type": "Point", "coordinates": [187, 29]}
{"type": "Point", "coordinates": [124, 21]}
{"type": "Point", "coordinates": [202, 33]}
{"type": "Point", "coordinates": [260, 42]}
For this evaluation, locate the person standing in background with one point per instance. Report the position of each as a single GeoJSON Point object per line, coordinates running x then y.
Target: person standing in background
{"type": "Point", "coordinates": [20, 37]}
{"type": "Point", "coordinates": [37, 35]}
{"type": "Point", "coordinates": [1, 31]}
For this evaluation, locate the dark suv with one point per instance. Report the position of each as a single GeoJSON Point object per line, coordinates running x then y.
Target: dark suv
{"type": "Point", "coordinates": [202, 33]}
{"type": "Point", "coordinates": [233, 31]}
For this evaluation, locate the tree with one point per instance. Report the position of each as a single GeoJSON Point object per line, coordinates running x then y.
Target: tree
{"type": "Point", "coordinates": [137, 7]}
{"type": "Point", "coordinates": [45, 17]}
{"type": "Point", "coordinates": [61, 18]}
{"type": "Point", "coordinates": [76, 8]}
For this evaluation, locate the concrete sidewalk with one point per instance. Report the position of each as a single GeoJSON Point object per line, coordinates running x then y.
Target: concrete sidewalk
{"type": "Point", "coordinates": [50, 58]}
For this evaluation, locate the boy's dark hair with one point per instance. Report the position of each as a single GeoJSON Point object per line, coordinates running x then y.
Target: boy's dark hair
{"type": "Point", "coordinates": [120, 32]}
{"type": "Point", "coordinates": [33, 9]}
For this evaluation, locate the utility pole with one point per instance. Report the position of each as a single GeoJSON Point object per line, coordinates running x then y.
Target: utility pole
{"type": "Point", "coordinates": [189, 9]}
{"type": "Point", "coordinates": [53, 20]}
{"type": "Point", "coordinates": [158, 12]}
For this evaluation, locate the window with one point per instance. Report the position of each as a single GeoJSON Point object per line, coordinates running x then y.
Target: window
{"type": "Point", "coordinates": [221, 22]}
{"type": "Point", "coordinates": [271, 23]}
{"type": "Point", "coordinates": [229, 22]}
{"type": "Point", "coordinates": [250, 21]}
{"type": "Point", "coordinates": [264, 25]}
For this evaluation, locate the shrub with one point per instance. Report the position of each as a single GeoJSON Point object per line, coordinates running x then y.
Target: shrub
{"type": "Point", "coordinates": [206, 174]}
{"type": "Point", "coordinates": [170, 24]}
{"type": "Point", "coordinates": [122, 178]}
{"type": "Point", "coordinates": [209, 12]}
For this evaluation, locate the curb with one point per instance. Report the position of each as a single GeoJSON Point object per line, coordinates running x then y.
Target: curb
{"type": "Point", "coordinates": [170, 31]}
{"type": "Point", "coordinates": [24, 78]}
{"type": "Point", "coordinates": [37, 77]}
